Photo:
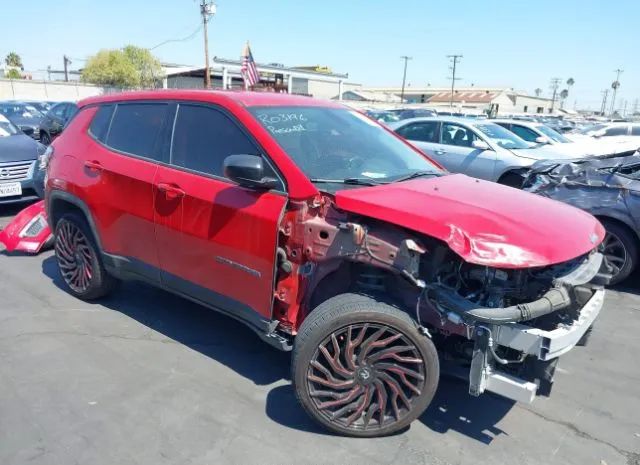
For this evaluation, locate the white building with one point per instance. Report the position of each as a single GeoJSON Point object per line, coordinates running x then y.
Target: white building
{"type": "Point", "coordinates": [225, 74]}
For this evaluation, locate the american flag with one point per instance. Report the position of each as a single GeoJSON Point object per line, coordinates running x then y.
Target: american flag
{"type": "Point", "coordinates": [249, 71]}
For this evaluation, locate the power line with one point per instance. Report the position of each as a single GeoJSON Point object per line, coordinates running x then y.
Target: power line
{"type": "Point", "coordinates": [404, 75]}
{"type": "Point", "coordinates": [184, 39]}
{"type": "Point", "coordinates": [454, 59]}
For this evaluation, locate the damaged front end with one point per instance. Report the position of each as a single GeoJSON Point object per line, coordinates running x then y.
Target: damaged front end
{"type": "Point", "coordinates": [503, 327]}
{"type": "Point", "coordinates": [510, 326]}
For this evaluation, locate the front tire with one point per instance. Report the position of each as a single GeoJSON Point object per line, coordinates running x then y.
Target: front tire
{"type": "Point", "coordinates": [45, 139]}
{"type": "Point", "coordinates": [79, 259]}
{"type": "Point", "coordinates": [620, 250]}
{"type": "Point", "coordinates": [361, 368]}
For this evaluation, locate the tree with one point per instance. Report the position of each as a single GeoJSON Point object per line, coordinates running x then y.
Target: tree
{"type": "Point", "coordinates": [13, 74]}
{"type": "Point", "coordinates": [570, 82]}
{"type": "Point", "coordinates": [14, 60]}
{"type": "Point", "coordinates": [538, 92]}
{"type": "Point", "coordinates": [128, 67]}
{"type": "Point", "coordinates": [563, 95]}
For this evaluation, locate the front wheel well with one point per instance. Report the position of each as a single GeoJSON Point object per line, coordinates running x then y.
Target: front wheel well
{"type": "Point", "coordinates": [513, 178]}
{"type": "Point", "coordinates": [59, 208]}
{"type": "Point", "coordinates": [610, 220]}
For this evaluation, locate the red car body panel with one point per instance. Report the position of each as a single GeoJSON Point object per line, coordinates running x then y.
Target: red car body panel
{"type": "Point", "coordinates": [483, 222]}
{"type": "Point", "coordinates": [28, 231]}
{"type": "Point", "coordinates": [219, 236]}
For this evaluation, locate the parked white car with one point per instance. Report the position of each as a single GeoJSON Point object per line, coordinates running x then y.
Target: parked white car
{"type": "Point", "coordinates": [539, 133]}
{"type": "Point", "coordinates": [610, 131]}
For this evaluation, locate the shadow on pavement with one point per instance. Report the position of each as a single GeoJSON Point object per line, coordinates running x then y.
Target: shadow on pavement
{"type": "Point", "coordinates": [231, 343]}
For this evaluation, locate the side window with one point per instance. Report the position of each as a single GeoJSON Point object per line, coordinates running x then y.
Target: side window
{"type": "Point", "coordinates": [454, 134]}
{"type": "Point", "coordinates": [524, 133]}
{"type": "Point", "coordinates": [100, 123]}
{"type": "Point", "coordinates": [616, 131]}
{"type": "Point", "coordinates": [635, 130]}
{"type": "Point", "coordinates": [423, 132]}
{"type": "Point", "coordinates": [59, 110]}
{"type": "Point", "coordinates": [71, 111]}
{"type": "Point", "coordinates": [203, 137]}
{"type": "Point", "coordinates": [135, 128]}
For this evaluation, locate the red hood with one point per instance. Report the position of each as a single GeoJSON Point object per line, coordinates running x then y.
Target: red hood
{"type": "Point", "coordinates": [483, 222]}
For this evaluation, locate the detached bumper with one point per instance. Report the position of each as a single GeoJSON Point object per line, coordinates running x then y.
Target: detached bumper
{"type": "Point", "coordinates": [545, 346]}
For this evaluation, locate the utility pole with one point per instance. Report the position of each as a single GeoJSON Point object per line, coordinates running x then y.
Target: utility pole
{"type": "Point", "coordinates": [206, 9]}
{"type": "Point", "coordinates": [67, 62]}
{"type": "Point", "coordinates": [454, 60]}
{"type": "Point", "coordinates": [404, 75]}
{"type": "Point", "coordinates": [615, 86]}
{"type": "Point", "coordinates": [635, 106]}
{"type": "Point", "coordinates": [603, 108]}
{"type": "Point", "coordinates": [555, 83]}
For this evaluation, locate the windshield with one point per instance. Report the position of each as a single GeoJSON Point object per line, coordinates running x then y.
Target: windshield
{"type": "Point", "coordinates": [20, 111]}
{"type": "Point", "coordinates": [501, 136]}
{"type": "Point", "coordinates": [338, 144]}
{"type": "Point", "coordinates": [7, 129]}
{"type": "Point", "coordinates": [553, 134]}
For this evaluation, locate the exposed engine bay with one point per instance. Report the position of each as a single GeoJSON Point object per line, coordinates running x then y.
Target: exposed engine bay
{"type": "Point", "coordinates": [504, 328]}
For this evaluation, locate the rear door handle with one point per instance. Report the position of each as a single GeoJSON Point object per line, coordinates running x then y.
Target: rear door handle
{"type": "Point", "coordinates": [171, 191]}
{"type": "Point", "coordinates": [93, 165]}
{"type": "Point", "coordinates": [440, 152]}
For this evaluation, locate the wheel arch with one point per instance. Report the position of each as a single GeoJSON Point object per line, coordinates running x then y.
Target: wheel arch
{"type": "Point", "coordinates": [512, 171]}
{"type": "Point", "coordinates": [611, 217]}
{"type": "Point", "coordinates": [60, 203]}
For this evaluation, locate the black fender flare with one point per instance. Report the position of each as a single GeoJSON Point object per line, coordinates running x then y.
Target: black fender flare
{"type": "Point", "coordinates": [54, 196]}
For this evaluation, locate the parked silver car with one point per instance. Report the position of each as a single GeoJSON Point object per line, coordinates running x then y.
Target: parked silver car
{"type": "Point", "coordinates": [477, 148]}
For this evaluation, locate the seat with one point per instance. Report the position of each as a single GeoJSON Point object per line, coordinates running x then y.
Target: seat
{"type": "Point", "coordinates": [460, 138]}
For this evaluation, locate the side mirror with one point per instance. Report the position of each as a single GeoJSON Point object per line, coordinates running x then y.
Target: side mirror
{"type": "Point", "coordinates": [480, 145]}
{"type": "Point", "coordinates": [542, 140]}
{"type": "Point", "coordinates": [248, 171]}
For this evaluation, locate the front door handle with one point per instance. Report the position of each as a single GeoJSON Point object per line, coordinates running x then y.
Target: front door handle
{"type": "Point", "coordinates": [93, 165]}
{"type": "Point", "coordinates": [439, 152]}
{"type": "Point", "coordinates": [171, 191]}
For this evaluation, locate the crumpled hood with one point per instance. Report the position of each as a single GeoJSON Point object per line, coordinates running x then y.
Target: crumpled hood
{"type": "Point", "coordinates": [548, 152]}
{"type": "Point", "coordinates": [483, 222]}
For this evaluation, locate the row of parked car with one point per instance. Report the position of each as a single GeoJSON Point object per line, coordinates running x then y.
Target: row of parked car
{"type": "Point", "coordinates": [602, 160]}
{"type": "Point", "coordinates": [26, 128]}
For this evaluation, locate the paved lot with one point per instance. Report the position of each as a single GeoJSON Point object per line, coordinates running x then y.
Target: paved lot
{"type": "Point", "coordinates": [149, 378]}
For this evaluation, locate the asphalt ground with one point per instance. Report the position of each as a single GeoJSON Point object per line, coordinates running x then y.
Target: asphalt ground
{"type": "Point", "coordinates": [145, 377]}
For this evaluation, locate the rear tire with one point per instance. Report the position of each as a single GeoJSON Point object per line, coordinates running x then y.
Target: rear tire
{"type": "Point", "coordinates": [79, 259]}
{"type": "Point", "coordinates": [361, 368]}
{"type": "Point", "coordinates": [620, 249]}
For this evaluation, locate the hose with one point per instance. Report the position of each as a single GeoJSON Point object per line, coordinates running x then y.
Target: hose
{"type": "Point", "coordinates": [553, 300]}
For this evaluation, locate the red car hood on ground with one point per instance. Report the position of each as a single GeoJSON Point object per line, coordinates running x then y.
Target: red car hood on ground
{"type": "Point", "coordinates": [28, 231]}
{"type": "Point", "coordinates": [483, 222]}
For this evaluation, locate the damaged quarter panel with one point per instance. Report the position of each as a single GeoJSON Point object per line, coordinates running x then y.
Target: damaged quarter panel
{"type": "Point", "coordinates": [484, 223]}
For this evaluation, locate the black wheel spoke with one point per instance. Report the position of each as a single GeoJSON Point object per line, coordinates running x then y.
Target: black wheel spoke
{"type": "Point", "coordinates": [364, 376]}
{"type": "Point", "coordinates": [75, 256]}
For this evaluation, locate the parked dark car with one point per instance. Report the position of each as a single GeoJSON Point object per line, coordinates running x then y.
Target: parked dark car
{"type": "Point", "coordinates": [55, 121]}
{"type": "Point", "coordinates": [18, 165]}
{"type": "Point", "coordinates": [609, 189]}
{"type": "Point", "coordinates": [40, 105]}
{"type": "Point", "coordinates": [25, 116]}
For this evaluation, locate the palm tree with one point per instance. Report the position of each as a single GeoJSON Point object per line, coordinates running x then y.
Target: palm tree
{"type": "Point", "coordinates": [563, 96]}
{"type": "Point", "coordinates": [570, 82]}
{"type": "Point", "coordinates": [14, 60]}
{"type": "Point", "coordinates": [538, 91]}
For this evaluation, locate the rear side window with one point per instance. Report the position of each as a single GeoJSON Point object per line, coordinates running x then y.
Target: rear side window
{"type": "Point", "coordinates": [524, 133]}
{"type": "Point", "coordinates": [635, 130]}
{"type": "Point", "coordinates": [135, 128]}
{"type": "Point", "coordinates": [203, 137]}
{"type": "Point", "coordinates": [100, 123]}
{"type": "Point", "coordinates": [423, 132]}
{"type": "Point", "coordinates": [616, 131]}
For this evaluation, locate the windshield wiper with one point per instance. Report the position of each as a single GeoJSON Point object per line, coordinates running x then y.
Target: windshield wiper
{"type": "Point", "coordinates": [417, 174]}
{"type": "Point", "coordinates": [352, 181]}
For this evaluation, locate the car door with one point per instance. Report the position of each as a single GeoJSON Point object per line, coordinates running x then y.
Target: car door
{"type": "Point", "coordinates": [422, 134]}
{"type": "Point", "coordinates": [456, 152]}
{"type": "Point", "coordinates": [119, 166]}
{"type": "Point", "coordinates": [216, 240]}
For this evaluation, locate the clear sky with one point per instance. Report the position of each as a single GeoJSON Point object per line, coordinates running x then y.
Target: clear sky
{"type": "Point", "coordinates": [521, 44]}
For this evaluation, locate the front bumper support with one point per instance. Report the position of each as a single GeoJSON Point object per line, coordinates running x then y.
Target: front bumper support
{"type": "Point", "coordinates": [544, 345]}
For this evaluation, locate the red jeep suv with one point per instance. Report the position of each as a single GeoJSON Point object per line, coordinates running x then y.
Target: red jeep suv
{"type": "Point", "coordinates": [327, 235]}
